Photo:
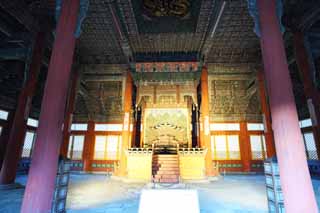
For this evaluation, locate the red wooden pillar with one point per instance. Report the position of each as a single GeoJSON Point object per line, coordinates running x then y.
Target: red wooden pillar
{"type": "Point", "coordinates": [126, 127]}
{"type": "Point", "coordinates": [206, 140]}
{"type": "Point", "coordinates": [294, 174]}
{"type": "Point", "coordinates": [268, 133]}
{"type": "Point", "coordinates": [19, 67]}
{"type": "Point", "coordinates": [134, 132]}
{"type": "Point", "coordinates": [310, 90]}
{"type": "Point", "coordinates": [143, 106]}
{"type": "Point", "coordinates": [69, 114]}
{"type": "Point", "coordinates": [89, 147]}
{"type": "Point", "coordinates": [198, 127]}
{"type": "Point", "coordinates": [19, 125]}
{"type": "Point", "coordinates": [5, 136]}
{"type": "Point", "coordinates": [245, 147]}
{"type": "Point", "coordinates": [142, 129]}
{"type": "Point", "coordinates": [201, 131]}
{"type": "Point", "coordinates": [41, 181]}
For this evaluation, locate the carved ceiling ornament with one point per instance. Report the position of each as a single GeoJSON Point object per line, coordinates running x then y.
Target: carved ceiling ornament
{"type": "Point", "coordinates": [162, 8]}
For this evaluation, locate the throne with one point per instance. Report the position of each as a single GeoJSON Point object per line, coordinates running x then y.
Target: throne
{"type": "Point", "coordinates": [165, 144]}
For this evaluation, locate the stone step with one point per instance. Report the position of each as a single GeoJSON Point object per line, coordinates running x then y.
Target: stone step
{"type": "Point", "coordinates": [165, 162]}
{"type": "Point", "coordinates": [165, 167]}
{"type": "Point", "coordinates": [166, 172]}
{"type": "Point", "coordinates": [165, 156]}
{"type": "Point", "coordinates": [173, 157]}
{"type": "Point", "coordinates": [165, 159]}
{"type": "Point", "coordinates": [166, 180]}
{"type": "Point", "coordinates": [166, 176]}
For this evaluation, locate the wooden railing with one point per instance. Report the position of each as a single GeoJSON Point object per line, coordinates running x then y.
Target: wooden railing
{"type": "Point", "coordinates": [139, 164]}
{"type": "Point", "coordinates": [192, 163]}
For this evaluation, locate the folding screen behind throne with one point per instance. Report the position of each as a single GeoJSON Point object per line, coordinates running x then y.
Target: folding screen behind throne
{"type": "Point", "coordinates": [167, 127]}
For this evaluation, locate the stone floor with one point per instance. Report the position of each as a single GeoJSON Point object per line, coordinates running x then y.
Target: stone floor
{"type": "Point", "coordinates": [100, 194]}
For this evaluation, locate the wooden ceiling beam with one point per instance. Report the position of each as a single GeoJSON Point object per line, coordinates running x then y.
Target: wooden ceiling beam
{"type": "Point", "coordinates": [19, 10]}
{"type": "Point", "coordinates": [16, 38]}
{"type": "Point", "coordinates": [102, 78]}
{"type": "Point", "coordinates": [4, 28]}
{"type": "Point", "coordinates": [310, 17]}
{"type": "Point", "coordinates": [13, 54]}
{"type": "Point", "coordinates": [123, 40]}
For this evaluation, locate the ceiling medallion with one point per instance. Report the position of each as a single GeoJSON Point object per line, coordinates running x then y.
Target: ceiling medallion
{"type": "Point", "coordinates": [167, 8]}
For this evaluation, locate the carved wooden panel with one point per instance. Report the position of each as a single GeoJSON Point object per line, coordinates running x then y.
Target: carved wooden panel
{"type": "Point", "coordinates": [233, 100]}
{"type": "Point", "coordinates": [103, 101]}
{"type": "Point", "coordinates": [166, 94]}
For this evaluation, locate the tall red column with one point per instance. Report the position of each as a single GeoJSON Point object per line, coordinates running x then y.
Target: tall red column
{"type": "Point", "coordinates": [310, 90]}
{"type": "Point", "coordinates": [69, 114]}
{"type": "Point", "coordinates": [41, 181]}
{"type": "Point", "coordinates": [245, 146]}
{"type": "Point", "coordinates": [205, 133]}
{"type": "Point", "coordinates": [19, 67]}
{"type": "Point", "coordinates": [143, 107]}
{"type": "Point", "coordinates": [19, 125]}
{"type": "Point", "coordinates": [268, 133]}
{"type": "Point", "coordinates": [294, 174]}
{"type": "Point", "coordinates": [89, 147]}
{"type": "Point", "coordinates": [198, 127]}
{"type": "Point", "coordinates": [126, 125]}
{"type": "Point", "coordinates": [134, 131]}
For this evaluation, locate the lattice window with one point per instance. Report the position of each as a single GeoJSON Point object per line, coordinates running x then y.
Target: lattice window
{"type": "Point", "coordinates": [258, 147]}
{"type": "Point", "coordinates": [225, 127]}
{"type": "Point", "coordinates": [28, 144]}
{"type": "Point", "coordinates": [310, 145]}
{"type": "Point", "coordinates": [4, 115]}
{"type": "Point", "coordinates": [32, 122]}
{"type": "Point", "coordinates": [255, 127]}
{"type": "Point", "coordinates": [75, 148]}
{"type": "Point", "coordinates": [100, 147]}
{"type": "Point", "coordinates": [225, 147]}
{"type": "Point", "coordinates": [107, 147]}
{"type": "Point", "coordinates": [79, 127]}
{"type": "Point", "coordinates": [305, 123]}
{"type": "Point", "coordinates": [112, 147]}
{"type": "Point", "coordinates": [108, 127]}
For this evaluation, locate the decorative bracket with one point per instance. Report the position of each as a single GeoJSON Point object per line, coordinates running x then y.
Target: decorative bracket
{"type": "Point", "coordinates": [254, 12]}
{"type": "Point", "coordinates": [83, 9]}
{"type": "Point", "coordinates": [84, 6]}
